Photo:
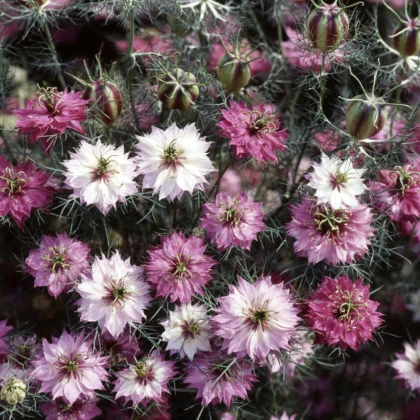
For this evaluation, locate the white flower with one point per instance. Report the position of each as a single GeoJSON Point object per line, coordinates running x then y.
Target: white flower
{"type": "Point", "coordinates": [203, 5]}
{"type": "Point", "coordinates": [414, 305]}
{"type": "Point", "coordinates": [173, 161]}
{"type": "Point", "coordinates": [101, 175]}
{"type": "Point", "coordinates": [115, 296]}
{"type": "Point", "coordinates": [336, 182]}
{"type": "Point", "coordinates": [187, 330]}
{"type": "Point", "coordinates": [407, 365]}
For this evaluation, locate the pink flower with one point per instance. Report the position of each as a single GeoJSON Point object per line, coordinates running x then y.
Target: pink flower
{"type": "Point", "coordinates": [254, 132]}
{"type": "Point", "coordinates": [123, 348]}
{"type": "Point", "coordinates": [178, 267]}
{"type": "Point", "coordinates": [397, 192]}
{"type": "Point", "coordinates": [256, 318]}
{"type": "Point", "coordinates": [342, 313]}
{"type": "Point", "coordinates": [145, 381]}
{"type": "Point", "coordinates": [4, 330]}
{"type": "Point", "coordinates": [334, 236]}
{"type": "Point", "coordinates": [23, 189]}
{"type": "Point", "coordinates": [284, 416]}
{"type": "Point", "coordinates": [58, 262]}
{"type": "Point", "coordinates": [83, 409]}
{"type": "Point", "coordinates": [51, 115]}
{"type": "Point", "coordinates": [69, 368]}
{"type": "Point", "coordinates": [219, 379]}
{"type": "Point", "coordinates": [407, 365]}
{"type": "Point", "coordinates": [115, 295]}
{"type": "Point", "coordinates": [233, 221]}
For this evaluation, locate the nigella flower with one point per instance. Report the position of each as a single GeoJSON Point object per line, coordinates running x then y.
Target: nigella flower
{"type": "Point", "coordinates": [123, 348]}
{"type": "Point", "coordinates": [22, 350]}
{"type": "Point", "coordinates": [284, 416]}
{"type": "Point", "coordinates": [337, 182]}
{"type": "Point", "coordinates": [4, 330]}
{"type": "Point", "coordinates": [255, 319]}
{"type": "Point", "coordinates": [178, 267]}
{"type": "Point", "coordinates": [22, 189]}
{"type": "Point", "coordinates": [397, 192]}
{"type": "Point", "coordinates": [206, 6]}
{"type": "Point", "coordinates": [101, 174]}
{"type": "Point", "coordinates": [58, 262]}
{"type": "Point", "coordinates": [83, 409]}
{"type": "Point", "coordinates": [115, 295]}
{"type": "Point", "coordinates": [69, 368]}
{"type": "Point", "coordinates": [333, 236]}
{"type": "Point", "coordinates": [146, 380]}
{"type": "Point", "coordinates": [342, 313]}
{"type": "Point", "coordinates": [51, 115]}
{"type": "Point", "coordinates": [173, 161]}
{"type": "Point", "coordinates": [233, 220]}
{"type": "Point", "coordinates": [219, 379]}
{"type": "Point", "coordinates": [187, 330]}
{"type": "Point", "coordinates": [254, 132]}
{"type": "Point", "coordinates": [407, 365]}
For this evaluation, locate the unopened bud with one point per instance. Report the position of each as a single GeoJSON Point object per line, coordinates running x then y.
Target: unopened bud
{"type": "Point", "coordinates": [13, 391]}
{"type": "Point", "coordinates": [233, 72]}
{"type": "Point", "coordinates": [406, 37]}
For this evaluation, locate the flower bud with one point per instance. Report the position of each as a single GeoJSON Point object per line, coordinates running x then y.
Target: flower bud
{"type": "Point", "coordinates": [406, 37]}
{"type": "Point", "coordinates": [13, 391]}
{"type": "Point", "coordinates": [233, 72]}
{"type": "Point", "coordinates": [106, 98]}
{"type": "Point", "coordinates": [327, 26]}
{"type": "Point", "coordinates": [365, 116]}
{"type": "Point", "coordinates": [178, 90]}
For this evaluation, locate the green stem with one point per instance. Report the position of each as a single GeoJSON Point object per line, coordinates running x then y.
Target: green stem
{"type": "Point", "coordinates": [55, 56]}
{"type": "Point", "coordinates": [323, 79]}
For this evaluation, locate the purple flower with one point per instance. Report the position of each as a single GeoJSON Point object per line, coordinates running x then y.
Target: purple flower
{"type": "Point", "coordinates": [255, 319]}
{"type": "Point", "coordinates": [83, 409]}
{"type": "Point", "coordinates": [178, 267]}
{"type": "Point", "coordinates": [51, 115]}
{"type": "Point", "coordinates": [342, 313]}
{"type": "Point", "coordinates": [23, 189]}
{"type": "Point", "coordinates": [233, 221]}
{"type": "Point", "coordinates": [4, 330]}
{"type": "Point", "coordinates": [69, 368]}
{"type": "Point", "coordinates": [254, 132]}
{"type": "Point", "coordinates": [146, 380]}
{"type": "Point", "coordinates": [334, 236]}
{"type": "Point", "coordinates": [123, 348]}
{"type": "Point", "coordinates": [58, 262]}
{"type": "Point", "coordinates": [219, 379]}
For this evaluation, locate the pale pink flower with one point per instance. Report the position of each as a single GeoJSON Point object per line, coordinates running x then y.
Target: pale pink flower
{"type": "Point", "coordinates": [178, 267]}
{"type": "Point", "coordinates": [146, 380]}
{"type": "Point", "coordinates": [284, 416]}
{"type": "Point", "coordinates": [341, 311]}
{"type": "Point", "coordinates": [233, 221]}
{"type": "Point", "coordinates": [69, 368]}
{"type": "Point", "coordinates": [253, 132]}
{"type": "Point", "coordinates": [256, 319]}
{"type": "Point", "coordinates": [407, 365]}
{"type": "Point", "coordinates": [58, 262]}
{"type": "Point", "coordinates": [115, 295]}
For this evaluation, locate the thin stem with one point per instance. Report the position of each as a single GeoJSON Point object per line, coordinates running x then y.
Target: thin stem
{"type": "Point", "coordinates": [323, 79]}
{"type": "Point", "coordinates": [55, 56]}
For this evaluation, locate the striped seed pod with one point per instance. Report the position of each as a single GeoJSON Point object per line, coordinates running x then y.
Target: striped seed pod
{"type": "Point", "coordinates": [406, 37]}
{"type": "Point", "coordinates": [233, 72]}
{"type": "Point", "coordinates": [365, 116]}
{"type": "Point", "coordinates": [178, 90]}
{"type": "Point", "coordinates": [327, 26]}
{"type": "Point", "coordinates": [106, 98]}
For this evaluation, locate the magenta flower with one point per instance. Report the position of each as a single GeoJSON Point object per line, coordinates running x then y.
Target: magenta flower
{"type": "Point", "coordinates": [123, 348]}
{"type": "Point", "coordinates": [233, 221]}
{"type": "Point", "coordinates": [334, 236]}
{"type": "Point", "coordinates": [178, 267]}
{"type": "Point", "coordinates": [69, 368]}
{"type": "Point", "coordinates": [50, 115]}
{"type": "Point", "coordinates": [254, 132]}
{"type": "Point", "coordinates": [255, 319]}
{"type": "Point", "coordinates": [342, 313]}
{"type": "Point", "coordinates": [58, 262]}
{"type": "Point", "coordinates": [4, 330]}
{"type": "Point", "coordinates": [23, 189]}
{"type": "Point", "coordinates": [145, 381]}
{"type": "Point", "coordinates": [397, 192]}
{"type": "Point", "coordinates": [407, 365]}
{"type": "Point", "coordinates": [219, 379]}
{"type": "Point", "coordinates": [83, 409]}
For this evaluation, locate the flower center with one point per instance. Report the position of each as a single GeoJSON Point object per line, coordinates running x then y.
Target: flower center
{"type": "Point", "coordinates": [351, 306]}
{"type": "Point", "coordinates": [14, 182]}
{"type": "Point", "coordinates": [24, 351]}
{"type": "Point", "coordinates": [261, 122]}
{"type": "Point", "coordinates": [119, 293]}
{"type": "Point", "coordinates": [49, 97]}
{"type": "Point", "coordinates": [405, 179]}
{"type": "Point", "coordinates": [71, 366]}
{"type": "Point", "coordinates": [141, 369]}
{"type": "Point", "coordinates": [103, 165]}
{"type": "Point", "coordinates": [191, 330]}
{"type": "Point", "coordinates": [170, 154]}
{"type": "Point", "coordinates": [329, 221]}
{"type": "Point", "coordinates": [339, 179]}
{"type": "Point", "coordinates": [259, 316]}
{"type": "Point", "coordinates": [57, 258]}
{"type": "Point", "coordinates": [181, 268]}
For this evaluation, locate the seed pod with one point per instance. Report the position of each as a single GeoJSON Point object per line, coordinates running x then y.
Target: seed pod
{"type": "Point", "coordinates": [406, 37]}
{"type": "Point", "coordinates": [365, 117]}
{"type": "Point", "coordinates": [107, 99]}
{"type": "Point", "coordinates": [327, 26]}
{"type": "Point", "coordinates": [233, 73]}
{"type": "Point", "coordinates": [178, 90]}
{"type": "Point", "coordinates": [13, 391]}
{"type": "Point", "coordinates": [180, 25]}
